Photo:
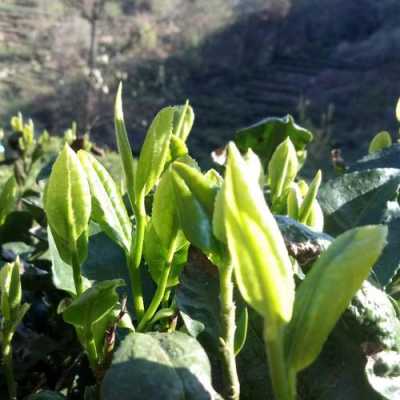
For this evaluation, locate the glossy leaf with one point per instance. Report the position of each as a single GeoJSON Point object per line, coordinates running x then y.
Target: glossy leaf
{"type": "Point", "coordinates": [361, 198]}
{"type": "Point", "coordinates": [264, 137]}
{"type": "Point", "coordinates": [166, 366]}
{"type": "Point", "coordinates": [108, 208]}
{"type": "Point", "coordinates": [386, 158]}
{"type": "Point", "coordinates": [263, 269]}
{"type": "Point", "coordinates": [317, 306]}
{"type": "Point", "coordinates": [68, 201]}
{"type": "Point", "coordinates": [124, 147]}
{"type": "Point", "coordinates": [380, 141]}
{"type": "Point", "coordinates": [154, 153]}
{"type": "Point", "coordinates": [7, 198]}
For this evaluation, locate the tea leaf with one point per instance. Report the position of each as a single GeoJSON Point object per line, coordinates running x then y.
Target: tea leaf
{"type": "Point", "coordinates": [108, 208]}
{"type": "Point", "coordinates": [165, 214]}
{"type": "Point", "coordinates": [307, 204]}
{"type": "Point", "coordinates": [155, 151]}
{"type": "Point", "coordinates": [345, 265]}
{"type": "Point", "coordinates": [90, 312]}
{"type": "Point", "coordinates": [166, 366]}
{"type": "Point", "coordinates": [264, 137]}
{"type": "Point", "coordinates": [195, 196]}
{"type": "Point", "coordinates": [124, 147]}
{"type": "Point", "coordinates": [262, 266]}
{"type": "Point", "coordinates": [156, 256]}
{"type": "Point", "coordinates": [283, 168]}
{"type": "Point", "coordinates": [183, 121]}
{"type": "Point", "coordinates": [362, 198]}
{"type": "Point", "coordinates": [68, 201]}
{"type": "Point", "coordinates": [7, 198]}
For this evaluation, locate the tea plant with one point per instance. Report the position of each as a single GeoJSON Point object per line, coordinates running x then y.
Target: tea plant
{"type": "Point", "coordinates": [12, 312]}
{"type": "Point", "coordinates": [157, 221]}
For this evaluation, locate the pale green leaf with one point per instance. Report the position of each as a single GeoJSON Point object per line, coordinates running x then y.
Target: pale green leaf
{"type": "Point", "coordinates": [108, 208]}
{"type": "Point", "coordinates": [124, 147]}
{"type": "Point", "coordinates": [380, 141]}
{"type": "Point", "coordinates": [7, 198]}
{"type": "Point", "coordinates": [68, 201]}
{"type": "Point", "coordinates": [155, 152]}
{"type": "Point", "coordinates": [183, 121]}
{"type": "Point", "coordinates": [309, 198]}
{"type": "Point", "coordinates": [283, 168]}
{"type": "Point", "coordinates": [327, 290]}
{"type": "Point", "coordinates": [262, 266]}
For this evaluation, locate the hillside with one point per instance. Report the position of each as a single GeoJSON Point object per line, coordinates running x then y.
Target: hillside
{"type": "Point", "coordinates": [333, 61]}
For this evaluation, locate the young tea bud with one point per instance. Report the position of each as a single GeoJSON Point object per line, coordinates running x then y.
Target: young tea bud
{"type": "Point", "coordinates": [282, 168]}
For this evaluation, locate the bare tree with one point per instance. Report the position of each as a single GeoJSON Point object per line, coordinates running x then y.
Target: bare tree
{"type": "Point", "coordinates": [92, 11]}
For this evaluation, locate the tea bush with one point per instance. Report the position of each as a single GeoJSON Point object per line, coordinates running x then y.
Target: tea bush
{"type": "Point", "coordinates": [163, 281]}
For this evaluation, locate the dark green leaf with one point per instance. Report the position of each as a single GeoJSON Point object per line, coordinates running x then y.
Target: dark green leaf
{"type": "Point", "coordinates": [197, 299]}
{"type": "Point", "coordinates": [361, 198]}
{"type": "Point", "coordinates": [264, 137]}
{"type": "Point", "coordinates": [16, 228]}
{"type": "Point", "coordinates": [387, 158]}
{"type": "Point", "coordinates": [165, 366]}
{"type": "Point", "coordinates": [46, 395]}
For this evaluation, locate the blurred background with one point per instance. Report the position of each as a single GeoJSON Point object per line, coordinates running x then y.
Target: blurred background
{"type": "Point", "coordinates": [333, 64]}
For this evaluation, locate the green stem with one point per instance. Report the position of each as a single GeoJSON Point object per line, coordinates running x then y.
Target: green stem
{"type": "Point", "coordinates": [92, 354]}
{"type": "Point", "coordinates": [76, 268]}
{"type": "Point", "coordinates": [8, 367]}
{"type": "Point", "coordinates": [135, 259]}
{"type": "Point", "coordinates": [228, 327]}
{"type": "Point", "coordinates": [283, 379]}
{"type": "Point", "coordinates": [156, 300]}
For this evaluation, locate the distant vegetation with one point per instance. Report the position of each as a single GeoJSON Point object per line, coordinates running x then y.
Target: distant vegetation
{"type": "Point", "coordinates": [331, 63]}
